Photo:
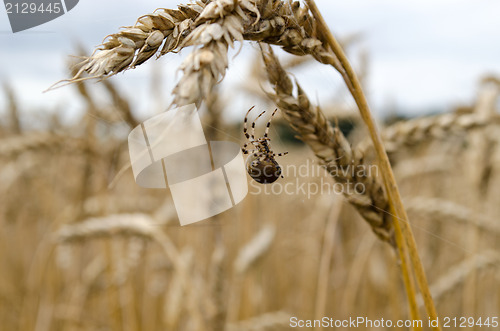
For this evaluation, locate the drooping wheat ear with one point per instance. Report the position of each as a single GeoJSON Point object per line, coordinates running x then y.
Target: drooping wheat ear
{"type": "Point", "coordinates": [138, 225]}
{"type": "Point", "coordinates": [286, 24]}
{"type": "Point", "coordinates": [332, 148]}
{"type": "Point", "coordinates": [134, 45]}
{"type": "Point", "coordinates": [440, 209]}
{"type": "Point", "coordinates": [417, 131]}
{"type": "Point", "coordinates": [206, 65]}
{"type": "Point", "coordinates": [456, 275]}
{"type": "Point", "coordinates": [415, 167]}
{"type": "Point", "coordinates": [211, 26]}
{"type": "Point", "coordinates": [126, 225]}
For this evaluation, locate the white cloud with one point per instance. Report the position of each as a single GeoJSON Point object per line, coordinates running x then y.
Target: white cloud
{"type": "Point", "coordinates": [423, 54]}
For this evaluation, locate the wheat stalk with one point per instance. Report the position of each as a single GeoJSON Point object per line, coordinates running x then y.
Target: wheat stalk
{"type": "Point", "coordinates": [121, 104]}
{"type": "Point", "coordinates": [175, 296]}
{"type": "Point", "coordinates": [327, 249]}
{"type": "Point", "coordinates": [248, 256]}
{"type": "Point", "coordinates": [478, 171]}
{"type": "Point", "coordinates": [13, 109]}
{"type": "Point", "coordinates": [217, 286]}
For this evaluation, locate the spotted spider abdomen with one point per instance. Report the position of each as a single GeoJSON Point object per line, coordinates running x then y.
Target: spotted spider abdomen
{"type": "Point", "coordinates": [264, 171]}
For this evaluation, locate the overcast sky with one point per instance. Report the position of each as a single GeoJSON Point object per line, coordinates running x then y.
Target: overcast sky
{"type": "Point", "coordinates": [425, 55]}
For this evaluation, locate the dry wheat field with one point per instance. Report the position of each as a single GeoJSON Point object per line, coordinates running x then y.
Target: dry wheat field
{"type": "Point", "coordinates": [83, 247]}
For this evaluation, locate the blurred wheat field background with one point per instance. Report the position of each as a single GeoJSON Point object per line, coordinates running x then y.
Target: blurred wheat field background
{"type": "Point", "coordinates": [83, 247]}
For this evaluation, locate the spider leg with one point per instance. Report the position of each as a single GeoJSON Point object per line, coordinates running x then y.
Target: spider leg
{"type": "Point", "coordinates": [278, 165]}
{"type": "Point", "coordinates": [269, 124]}
{"type": "Point", "coordinates": [245, 130]}
{"type": "Point", "coordinates": [280, 154]}
{"type": "Point", "coordinates": [245, 150]}
{"type": "Point", "coordinates": [251, 142]}
{"type": "Point", "coordinates": [253, 123]}
{"type": "Point", "coordinates": [263, 140]}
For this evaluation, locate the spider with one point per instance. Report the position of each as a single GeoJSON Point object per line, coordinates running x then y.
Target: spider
{"type": "Point", "coordinates": [261, 165]}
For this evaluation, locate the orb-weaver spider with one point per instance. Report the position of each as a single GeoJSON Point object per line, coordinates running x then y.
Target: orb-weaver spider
{"type": "Point", "coordinates": [261, 165]}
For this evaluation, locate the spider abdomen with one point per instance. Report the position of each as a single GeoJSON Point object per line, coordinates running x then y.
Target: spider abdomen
{"type": "Point", "coordinates": [263, 171]}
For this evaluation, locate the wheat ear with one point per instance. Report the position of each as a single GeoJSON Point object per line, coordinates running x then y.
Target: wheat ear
{"type": "Point", "coordinates": [331, 147]}
{"type": "Point", "coordinates": [212, 27]}
{"type": "Point", "coordinates": [457, 274]}
{"type": "Point", "coordinates": [419, 130]}
{"type": "Point", "coordinates": [445, 210]}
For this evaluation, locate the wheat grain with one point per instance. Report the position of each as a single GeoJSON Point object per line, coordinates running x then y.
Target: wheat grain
{"type": "Point", "coordinates": [206, 65]}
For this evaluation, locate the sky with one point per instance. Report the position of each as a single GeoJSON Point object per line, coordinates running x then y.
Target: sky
{"type": "Point", "coordinates": [422, 56]}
